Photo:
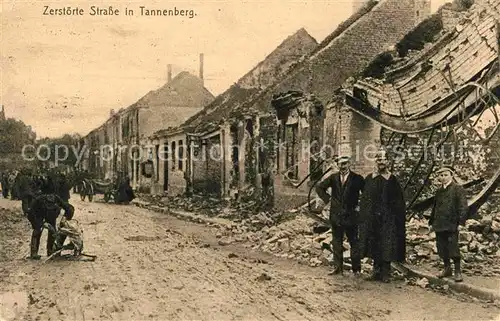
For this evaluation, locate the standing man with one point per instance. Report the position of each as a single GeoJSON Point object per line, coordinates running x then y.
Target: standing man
{"type": "Point", "coordinates": [14, 185]}
{"type": "Point", "coordinates": [450, 210]}
{"type": "Point", "coordinates": [382, 220]}
{"type": "Point", "coordinates": [346, 187]}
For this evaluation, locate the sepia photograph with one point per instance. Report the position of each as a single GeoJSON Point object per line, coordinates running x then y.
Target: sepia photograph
{"type": "Point", "coordinates": [249, 160]}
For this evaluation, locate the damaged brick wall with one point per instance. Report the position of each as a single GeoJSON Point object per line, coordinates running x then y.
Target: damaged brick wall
{"type": "Point", "coordinates": [432, 63]}
{"type": "Point", "coordinates": [301, 126]}
{"type": "Point", "coordinates": [267, 152]}
{"type": "Point", "coordinates": [349, 133]}
{"type": "Point", "coordinates": [349, 53]}
{"type": "Point", "coordinates": [364, 140]}
{"type": "Point", "coordinates": [207, 171]}
{"type": "Point", "coordinates": [250, 159]}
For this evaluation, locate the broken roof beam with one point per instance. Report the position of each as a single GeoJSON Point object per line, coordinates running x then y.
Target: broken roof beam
{"type": "Point", "coordinates": [414, 89]}
{"type": "Point", "coordinates": [446, 110]}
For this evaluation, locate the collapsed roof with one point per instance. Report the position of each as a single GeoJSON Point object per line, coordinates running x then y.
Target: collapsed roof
{"type": "Point", "coordinates": [433, 71]}
{"type": "Point", "coordinates": [260, 77]}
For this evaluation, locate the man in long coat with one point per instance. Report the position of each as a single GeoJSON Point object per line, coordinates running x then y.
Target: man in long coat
{"type": "Point", "coordinates": [382, 220]}
{"type": "Point", "coordinates": [346, 187]}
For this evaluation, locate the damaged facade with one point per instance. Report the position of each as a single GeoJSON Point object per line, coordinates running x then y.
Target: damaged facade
{"type": "Point", "coordinates": [255, 139]}
{"type": "Point", "coordinates": [256, 147]}
{"type": "Point", "coordinates": [219, 143]}
{"type": "Point", "coordinates": [435, 86]}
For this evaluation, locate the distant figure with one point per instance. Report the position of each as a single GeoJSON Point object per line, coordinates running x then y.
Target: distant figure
{"type": "Point", "coordinates": [14, 185]}
{"type": "Point", "coordinates": [4, 179]}
{"type": "Point", "coordinates": [125, 192]}
{"type": "Point", "coordinates": [449, 211]}
{"type": "Point", "coordinates": [27, 189]}
{"type": "Point", "coordinates": [382, 220]}
{"type": "Point", "coordinates": [63, 187]}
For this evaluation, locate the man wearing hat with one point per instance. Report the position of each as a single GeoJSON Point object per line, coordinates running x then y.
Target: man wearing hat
{"type": "Point", "coordinates": [450, 210]}
{"type": "Point", "coordinates": [346, 187]}
{"type": "Point", "coordinates": [382, 216]}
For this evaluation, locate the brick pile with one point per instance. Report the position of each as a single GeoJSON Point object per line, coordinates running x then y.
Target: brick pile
{"type": "Point", "coordinates": [479, 245]}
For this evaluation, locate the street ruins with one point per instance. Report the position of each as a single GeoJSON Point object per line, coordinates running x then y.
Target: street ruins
{"type": "Point", "coordinates": [153, 266]}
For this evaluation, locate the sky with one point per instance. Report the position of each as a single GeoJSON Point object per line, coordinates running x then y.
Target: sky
{"type": "Point", "coordinates": [63, 74]}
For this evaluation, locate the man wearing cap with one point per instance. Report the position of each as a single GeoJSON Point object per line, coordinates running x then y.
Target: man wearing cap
{"type": "Point", "coordinates": [449, 211]}
{"type": "Point", "coordinates": [382, 216]}
{"type": "Point", "coordinates": [346, 187]}
{"type": "Point", "coordinates": [45, 208]}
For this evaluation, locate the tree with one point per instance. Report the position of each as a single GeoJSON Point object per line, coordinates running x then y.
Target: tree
{"type": "Point", "coordinates": [64, 148]}
{"type": "Point", "coordinates": [14, 134]}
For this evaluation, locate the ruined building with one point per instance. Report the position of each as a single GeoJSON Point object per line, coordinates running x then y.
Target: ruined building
{"type": "Point", "coordinates": [195, 139]}
{"type": "Point", "coordinates": [126, 131]}
{"type": "Point", "coordinates": [439, 82]}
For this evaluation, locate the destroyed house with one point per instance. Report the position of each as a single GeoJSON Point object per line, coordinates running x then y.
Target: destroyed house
{"type": "Point", "coordinates": [272, 126]}
{"type": "Point", "coordinates": [197, 154]}
{"type": "Point", "coordinates": [440, 80]}
{"type": "Point", "coordinates": [433, 70]}
{"type": "Point", "coordinates": [304, 108]}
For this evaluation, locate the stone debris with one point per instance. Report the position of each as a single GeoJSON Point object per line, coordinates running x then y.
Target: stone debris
{"type": "Point", "coordinates": [479, 245]}
{"type": "Point", "coordinates": [263, 277]}
{"type": "Point", "coordinates": [423, 282]}
{"type": "Point", "coordinates": [290, 235]}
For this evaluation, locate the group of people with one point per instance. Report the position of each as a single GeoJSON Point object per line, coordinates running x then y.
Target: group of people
{"type": "Point", "coordinates": [371, 213]}
{"type": "Point", "coordinates": [43, 193]}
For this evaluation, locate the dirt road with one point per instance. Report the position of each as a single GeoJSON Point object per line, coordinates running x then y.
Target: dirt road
{"type": "Point", "coordinates": [152, 266]}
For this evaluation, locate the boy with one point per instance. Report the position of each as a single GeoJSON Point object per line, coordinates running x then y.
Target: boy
{"type": "Point", "coordinates": [449, 211]}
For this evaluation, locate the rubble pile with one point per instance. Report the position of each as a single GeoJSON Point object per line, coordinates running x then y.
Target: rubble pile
{"type": "Point", "coordinates": [292, 234]}
{"type": "Point", "coordinates": [479, 245]}
{"type": "Point", "coordinates": [284, 234]}
{"type": "Point", "coordinates": [213, 207]}
{"type": "Point", "coordinates": [202, 205]}
{"type": "Point", "coordinates": [292, 239]}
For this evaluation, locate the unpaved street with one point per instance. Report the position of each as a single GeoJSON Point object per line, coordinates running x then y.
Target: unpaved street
{"type": "Point", "coordinates": [152, 266]}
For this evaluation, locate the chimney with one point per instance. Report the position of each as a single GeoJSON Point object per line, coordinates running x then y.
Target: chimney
{"type": "Point", "coordinates": [201, 67]}
{"type": "Point", "coordinates": [169, 73]}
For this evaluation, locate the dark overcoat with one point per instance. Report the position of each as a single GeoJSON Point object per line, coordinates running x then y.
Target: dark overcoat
{"type": "Point", "coordinates": [344, 198]}
{"type": "Point", "coordinates": [450, 208]}
{"type": "Point", "coordinates": [382, 219]}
